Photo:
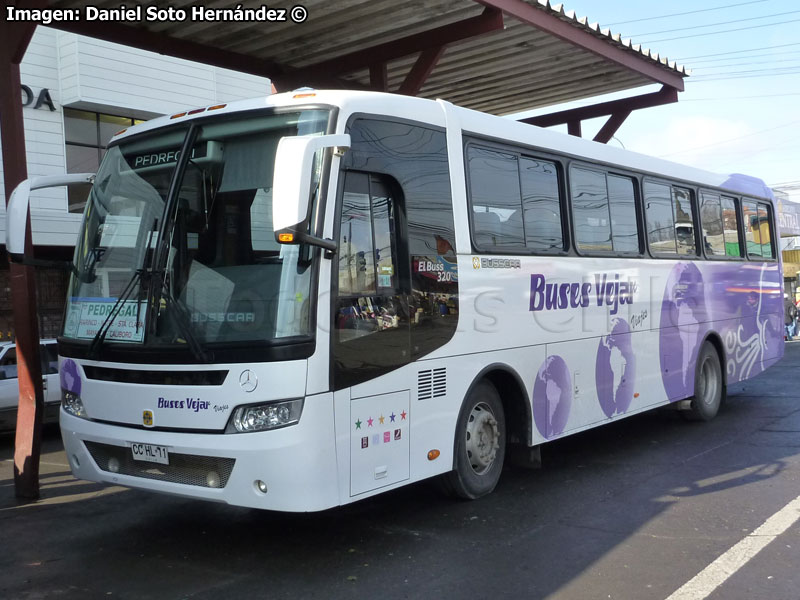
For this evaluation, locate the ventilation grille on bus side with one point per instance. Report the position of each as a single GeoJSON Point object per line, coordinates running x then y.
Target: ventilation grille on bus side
{"type": "Point", "coordinates": [432, 383]}
{"type": "Point", "coordinates": [182, 468]}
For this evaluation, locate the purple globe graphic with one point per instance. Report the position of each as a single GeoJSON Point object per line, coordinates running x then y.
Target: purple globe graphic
{"type": "Point", "coordinates": [615, 369]}
{"type": "Point", "coordinates": [552, 397]}
{"type": "Point", "coordinates": [684, 322]}
{"type": "Point", "coordinates": [69, 376]}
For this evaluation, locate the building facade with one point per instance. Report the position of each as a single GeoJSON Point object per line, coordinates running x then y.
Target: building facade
{"type": "Point", "coordinates": [77, 93]}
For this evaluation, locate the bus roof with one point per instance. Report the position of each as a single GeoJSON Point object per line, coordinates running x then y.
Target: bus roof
{"type": "Point", "coordinates": [477, 123]}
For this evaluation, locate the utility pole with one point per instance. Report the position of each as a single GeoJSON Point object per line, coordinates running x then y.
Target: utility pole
{"type": "Point", "coordinates": [27, 447]}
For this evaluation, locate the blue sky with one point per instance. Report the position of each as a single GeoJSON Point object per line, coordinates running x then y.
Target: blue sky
{"type": "Point", "coordinates": [739, 112]}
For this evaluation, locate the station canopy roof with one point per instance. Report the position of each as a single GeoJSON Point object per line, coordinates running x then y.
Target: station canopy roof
{"type": "Point", "coordinates": [497, 56]}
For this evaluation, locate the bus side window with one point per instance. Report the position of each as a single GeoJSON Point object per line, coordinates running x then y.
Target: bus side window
{"type": "Point", "coordinates": [496, 199]}
{"type": "Point", "coordinates": [767, 248]}
{"type": "Point", "coordinates": [730, 227]}
{"type": "Point", "coordinates": [622, 206]}
{"type": "Point", "coordinates": [592, 221]}
{"type": "Point", "coordinates": [684, 221]}
{"type": "Point", "coordinates": [752, 230]}
{"type": "Point", "coordinates": [711, 225]}
{"type": "Point", "coordinates": [660, 218]}
{"type": "Point", "coordinates": [541, 204]}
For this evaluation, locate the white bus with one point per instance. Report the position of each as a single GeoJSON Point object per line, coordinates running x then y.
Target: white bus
{"type": "Point", "coordinates": [297, 302]}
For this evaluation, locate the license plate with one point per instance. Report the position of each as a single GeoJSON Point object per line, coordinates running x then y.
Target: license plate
{"type": "Point", "coordinates": [150, 453]}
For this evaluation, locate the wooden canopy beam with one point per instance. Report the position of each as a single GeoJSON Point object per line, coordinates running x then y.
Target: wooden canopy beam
{"type": "Point", "coordinates": [618, 110]}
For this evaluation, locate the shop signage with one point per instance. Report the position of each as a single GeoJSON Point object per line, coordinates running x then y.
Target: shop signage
{"type": "Point", "coordinates": [38, 101]}
{"type": "Point", "coordinates": [789, 218]}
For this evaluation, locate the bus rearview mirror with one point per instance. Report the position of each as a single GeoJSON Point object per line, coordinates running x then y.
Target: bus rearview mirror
{"type": "Point", "coordinates": [17, 209]}
{"type": "Point", "coordinates": [291, 187]}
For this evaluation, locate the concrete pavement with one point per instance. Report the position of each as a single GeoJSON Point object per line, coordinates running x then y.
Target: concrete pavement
{"type": "Point", "coordinates": [632, 510]}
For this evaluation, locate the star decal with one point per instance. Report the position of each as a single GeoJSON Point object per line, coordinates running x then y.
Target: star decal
{"type": "Point", "coordinates": [392, 416]}
{"type": "Point", "coordinates": [403, 415]}
{"type": "Point", "coordinates": [358, 424]}
{"type": "Point", "coordinates": [369, 422]}
{"type": "Point", "coordinates": [381, 419]}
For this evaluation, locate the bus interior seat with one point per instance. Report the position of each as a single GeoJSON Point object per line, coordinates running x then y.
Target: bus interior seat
{"type": "Point", "coordinates": [488, 229]}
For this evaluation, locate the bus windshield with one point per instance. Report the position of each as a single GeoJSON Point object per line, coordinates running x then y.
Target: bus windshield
{"type": "Point", "coordinates": [203, 257]}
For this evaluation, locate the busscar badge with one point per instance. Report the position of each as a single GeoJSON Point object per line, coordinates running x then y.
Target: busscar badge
{"type": "Point", "coordinates": [147, 418]}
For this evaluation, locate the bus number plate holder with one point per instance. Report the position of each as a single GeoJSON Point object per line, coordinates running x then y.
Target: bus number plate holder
{"type": "Point", "coordinates": [150, 453]}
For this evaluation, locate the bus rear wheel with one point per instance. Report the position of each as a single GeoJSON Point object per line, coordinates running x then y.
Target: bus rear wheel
{"type": "Point", "coordinates": [709, 388]}
{"type": "Point", "coordinates": [480, 444]}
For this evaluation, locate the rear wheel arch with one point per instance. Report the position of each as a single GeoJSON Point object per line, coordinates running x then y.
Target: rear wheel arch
{"type": "Point", "coordinates": [514, 396]}
{"type": "Point", "coordinates": [709, 384]}
{"type": "Point", "coordinates": [716, 340]}
{"type": "Point", "coordinates": [492, 415]}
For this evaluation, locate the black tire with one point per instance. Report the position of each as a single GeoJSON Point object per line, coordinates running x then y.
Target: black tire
{"type": "Point", "coordinates": [480, 444]}
{"type": "Point", "coordinates": [709, 386]}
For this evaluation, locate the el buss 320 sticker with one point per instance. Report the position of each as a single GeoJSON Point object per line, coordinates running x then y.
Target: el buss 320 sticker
{"type": "Point", "coordinates": [436, 267]}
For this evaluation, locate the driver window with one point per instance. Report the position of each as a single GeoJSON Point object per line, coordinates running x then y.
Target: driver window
{"type": "Point", "coordinates": [8, 364]}
{"type": "Point", "coordinates": [9, 358]}
{"type": "Point", "coordinates": [356, 264]}
{"type": "Point", "coordinates": [371, 320]}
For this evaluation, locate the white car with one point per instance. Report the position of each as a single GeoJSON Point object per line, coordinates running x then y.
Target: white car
{"type": "Point", "coordinates": [9, 387]}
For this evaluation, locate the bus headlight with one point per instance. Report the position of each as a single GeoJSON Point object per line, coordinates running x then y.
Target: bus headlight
{"type": "Point", "coordinates": [72, 403]}
{"type": "Point", "coordinates": [260, 417]}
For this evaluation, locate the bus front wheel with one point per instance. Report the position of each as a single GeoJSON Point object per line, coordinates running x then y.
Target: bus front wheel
{"type": "Point", "coordinates": [480, 444]}
{"type": "Point", "coordinates": [709, 387]}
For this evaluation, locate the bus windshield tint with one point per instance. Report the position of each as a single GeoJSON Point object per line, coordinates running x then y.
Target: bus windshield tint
{"type": "Point", "coordinates": [223, 277]}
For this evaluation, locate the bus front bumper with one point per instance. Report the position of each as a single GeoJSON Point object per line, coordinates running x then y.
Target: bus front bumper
{"type": "Point", "coordinates": [290, 469]}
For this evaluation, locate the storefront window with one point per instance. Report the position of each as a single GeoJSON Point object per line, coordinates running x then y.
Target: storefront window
{"type": "Point", "coordinates": [86, 135]}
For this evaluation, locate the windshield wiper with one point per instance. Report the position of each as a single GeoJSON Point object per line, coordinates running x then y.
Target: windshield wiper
{"type": "Point", "coordinates": [100, 336]}
{"type": "Point", "coordinates": [182, 319]}
{"type": "Point", "coordinates": [161, 253]}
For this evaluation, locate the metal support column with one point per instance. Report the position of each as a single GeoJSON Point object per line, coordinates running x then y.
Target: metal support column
{"type": "Point", "coordinates": [27, 446]}
{"type": "Point", "coordinates": [378, 77]}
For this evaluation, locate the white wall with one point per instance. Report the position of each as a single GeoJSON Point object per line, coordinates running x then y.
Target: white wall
{"type": "Point", "coordinates": [102, 74]}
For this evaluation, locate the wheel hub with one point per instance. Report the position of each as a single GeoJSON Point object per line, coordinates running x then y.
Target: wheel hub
{"type": "Point", "coordinates": [483, 438]}
{"type": "Point", "coordinates": [708, 383]}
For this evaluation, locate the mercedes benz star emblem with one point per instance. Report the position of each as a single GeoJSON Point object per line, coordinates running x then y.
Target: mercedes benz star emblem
{"type": "Point", "coordinates": [248, 380]}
